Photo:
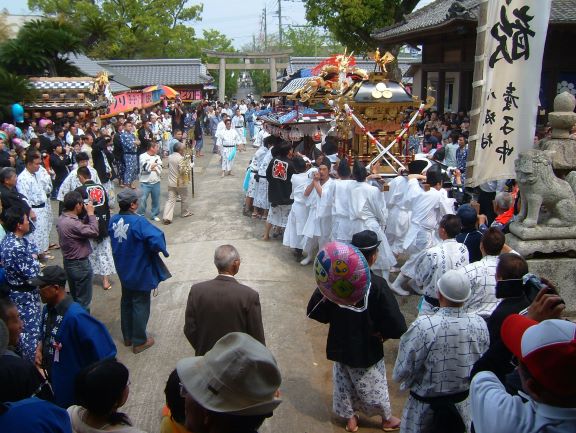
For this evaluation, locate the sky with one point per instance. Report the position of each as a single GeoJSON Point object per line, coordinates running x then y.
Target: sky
{"type": "Point", "coordinates": [237, 19]}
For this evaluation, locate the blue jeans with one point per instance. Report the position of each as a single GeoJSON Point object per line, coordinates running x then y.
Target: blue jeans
{"type": "Point", "coordinates": [79, 274]}
{"type": "Point", "coordinates": [134, 315]}
{"type": "Point", "coordinates": [150, 189]}
{"type": "Point", "coordinates": [199, 144]}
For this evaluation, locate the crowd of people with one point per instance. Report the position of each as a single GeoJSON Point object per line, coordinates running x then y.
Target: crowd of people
{"type": "Point", "coordinates": [479, 308]}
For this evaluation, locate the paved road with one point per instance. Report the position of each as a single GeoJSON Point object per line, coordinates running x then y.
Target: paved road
{"type": "Point", "coordinates": [284, 286]}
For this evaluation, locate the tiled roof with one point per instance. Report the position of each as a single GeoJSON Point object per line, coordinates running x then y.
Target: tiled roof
{"type": "Point", "coordinates": [436, 15]}
{"type": "Point", "coordinates": [169, 72]}
{"type": "Point", "coordinates": [118, 83]}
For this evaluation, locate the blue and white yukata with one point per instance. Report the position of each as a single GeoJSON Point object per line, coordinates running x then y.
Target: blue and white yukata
{"type": "Point", "coordinates": [127, 139]}
{"type": "Point", "coordinates": [19, 258]}
{"type": "Point", "coordinates": [435, 358]}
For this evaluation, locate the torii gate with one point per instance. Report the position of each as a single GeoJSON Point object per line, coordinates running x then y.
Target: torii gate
{"type": "Point", "coordinates": [272, 65]}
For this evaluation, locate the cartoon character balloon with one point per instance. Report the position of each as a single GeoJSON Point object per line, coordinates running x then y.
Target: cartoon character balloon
{"type": "Point", "coordinates": [342, 273]}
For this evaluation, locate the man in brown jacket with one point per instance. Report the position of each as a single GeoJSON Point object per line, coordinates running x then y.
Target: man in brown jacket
{"type": "Point", "coordinates": [178, 181]}
{"type": "Point", "coordinates": [222, 305]}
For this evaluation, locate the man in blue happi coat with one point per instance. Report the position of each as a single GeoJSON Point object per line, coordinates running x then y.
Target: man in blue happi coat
{"type": "Point", "coordinates": [135, 247]}
{"type": "Point", "coordinates": [70, 338]}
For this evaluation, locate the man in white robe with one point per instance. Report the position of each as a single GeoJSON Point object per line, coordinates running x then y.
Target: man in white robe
{"type": "Point", "coordinates": [31, 186]}
{"type": "Point", "coordinates": [436, 356]}
{"type": "Point", "coordinates": [427, 208]}
{"type": "Point", "coordinates": [368, 212]}
{"type": "Point", "coordinates": [227, 140]}
{"type": "Point", "coordinates": [446, 256]}
{"type": "Point", "coordinates": [398, 213]}
{"type": "Point", "coordinates": [319, 198]}
{"type": "Point", "coordinates": [294, 233]}
{"type": "Point", "coordinates": [261, 187]}
{"type": "Point", "coordinates": [341, 222]}
{"type": "Point", "coordinates": [240, 126]}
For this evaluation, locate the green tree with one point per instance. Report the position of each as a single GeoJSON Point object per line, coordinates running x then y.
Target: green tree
{"type": "Point", "coordinates": [310, 41]}
{"type": "Point", "coordinates": [13, 88]}
{"type": "Point", "coordinates": [128, 28]}
{"type": "Point", "coordinates": [40, 48]}
{"type": "Point", "coordinates": [353, 21]}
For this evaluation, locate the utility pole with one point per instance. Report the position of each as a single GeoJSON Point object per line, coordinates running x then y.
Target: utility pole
{"type": "Point", "coordinates": [280, 21]}
{"type": "Point", "coordinates": [265, 30]}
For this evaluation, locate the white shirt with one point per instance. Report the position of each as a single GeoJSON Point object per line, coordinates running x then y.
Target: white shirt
{"type": "Point", "coordinates": [147, 175]}
{"type": "Point", "coordinates": [496, 411]}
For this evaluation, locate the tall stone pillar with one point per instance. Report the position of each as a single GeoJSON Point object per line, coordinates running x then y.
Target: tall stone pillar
{"type": "Point", "coordinates": [273, 84]}
{"type": "Point", "coordinates": [222, 80]}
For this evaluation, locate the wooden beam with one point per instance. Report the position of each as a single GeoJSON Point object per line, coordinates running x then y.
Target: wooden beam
{"type": "Point", "coordinates": [247, 66]}
{"type": "Point", "coordinates": [448, 67]}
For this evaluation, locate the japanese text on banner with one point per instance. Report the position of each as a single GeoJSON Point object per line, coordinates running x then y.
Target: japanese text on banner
{"type": "Point", "coordinates": [514, 46]}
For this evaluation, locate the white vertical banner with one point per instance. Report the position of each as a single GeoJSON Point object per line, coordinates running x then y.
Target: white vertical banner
{"type": "Point", "coordinates": [514, 47]}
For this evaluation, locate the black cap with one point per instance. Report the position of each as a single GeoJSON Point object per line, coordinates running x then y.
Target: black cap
{"type": "Point", "coordinates": [50, 275]}
{"type": "Point", "coordinates": [365, 240]}
{"type": "Point", "coordinates": [467, 214]}
{"type": "Point", "coordinates": [417, 166]}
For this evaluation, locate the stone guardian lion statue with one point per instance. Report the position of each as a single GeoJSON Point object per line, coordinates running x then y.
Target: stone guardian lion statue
{"type": "Point", "coordinates": [540, 187]}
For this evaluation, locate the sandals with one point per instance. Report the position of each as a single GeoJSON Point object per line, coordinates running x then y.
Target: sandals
{"type": "Point", "coordinates": [355, 429]}
{"type": "Point", "coordinates": [108, 287]}
{"type": "Point", "coordinates": [187, 214]}
{"type": "Point", "coordinates": [394, 427]}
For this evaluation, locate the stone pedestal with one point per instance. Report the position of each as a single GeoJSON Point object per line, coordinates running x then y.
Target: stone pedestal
{"type": "Point", "coordinates": [553, 258]}
{"type": "Point", "coordinates": [560, 271]}
{"type": "Point", "coordinates": [542, 240]}
{"type": "Point", "coordinates": [563, 153]}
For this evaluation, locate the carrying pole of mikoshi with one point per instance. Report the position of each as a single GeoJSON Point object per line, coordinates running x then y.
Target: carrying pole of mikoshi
{"type": "Point", "coordinates": [386, 150]}
{"type": "Point", "coordinates": [383, 150]}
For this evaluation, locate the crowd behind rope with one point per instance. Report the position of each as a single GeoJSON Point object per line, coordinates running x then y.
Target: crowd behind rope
{"type": "Point", "coordinates": [479, 308]}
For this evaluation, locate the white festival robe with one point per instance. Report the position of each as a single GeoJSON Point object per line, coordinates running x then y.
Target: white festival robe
{"type": "Point", "coordinates": [240, 128]}
{"type": "Point", "coordinates": [227, 141]}
{"type": "Point", "coordinates": [428, 208]}
{"type": "Point", "coordinates": [368, 212]}
{"type": "Point", "coordinates": [435, 358]}
{"type": "Point", "coordinates": [318, 225]}
{"type": "Point", "coordinates": [341, 221]}
{"type": "Point", "coordinates": [294, 233]}
{"type": "Point", "coordinates": [398, 213]}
